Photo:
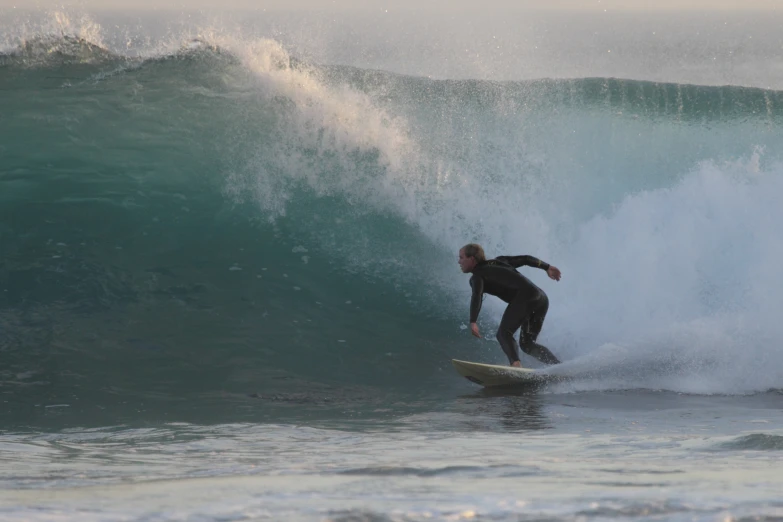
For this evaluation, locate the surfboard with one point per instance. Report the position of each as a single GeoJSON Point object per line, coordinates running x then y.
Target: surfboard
{"type": "Point", "coordinates": [490, 375]}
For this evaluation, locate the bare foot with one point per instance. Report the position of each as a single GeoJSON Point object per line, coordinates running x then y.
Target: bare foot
{"type": "Point", "coordinates": [516, 364]}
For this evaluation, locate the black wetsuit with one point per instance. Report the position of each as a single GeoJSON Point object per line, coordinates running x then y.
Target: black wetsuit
{"type": "Point", "coordinates": [527, 304]}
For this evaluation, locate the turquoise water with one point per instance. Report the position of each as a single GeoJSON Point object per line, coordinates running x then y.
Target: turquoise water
{"type": "Point", "coordinates": [229, 288]}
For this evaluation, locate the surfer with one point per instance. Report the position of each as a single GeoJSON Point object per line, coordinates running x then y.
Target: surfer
{"type": "Point", "coordinates": [527, 303]}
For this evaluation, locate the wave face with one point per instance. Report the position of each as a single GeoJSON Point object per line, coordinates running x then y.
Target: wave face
{"type": "Point", "coordinates": [227, 219]}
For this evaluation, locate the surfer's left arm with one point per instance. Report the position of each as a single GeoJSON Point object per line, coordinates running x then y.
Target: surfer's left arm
{"type": "Point", "coordinates": [516, 261]}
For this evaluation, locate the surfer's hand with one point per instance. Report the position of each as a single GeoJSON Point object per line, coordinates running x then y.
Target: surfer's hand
{"type": "Point", "coordinates": [553, 272]}
{"type": "Point", "coordinates": [474, 330]}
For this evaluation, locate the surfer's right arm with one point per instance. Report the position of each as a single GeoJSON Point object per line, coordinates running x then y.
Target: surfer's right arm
{"type": "Point", "coordinates": [516, 261]}
{"type": "Point", "coordinates": [477, 284]}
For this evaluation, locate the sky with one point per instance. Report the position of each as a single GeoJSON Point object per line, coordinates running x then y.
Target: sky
{"type": "Point", "coordinates": [591, 5]}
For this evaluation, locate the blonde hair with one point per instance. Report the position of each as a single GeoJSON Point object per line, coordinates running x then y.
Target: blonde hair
{"type": "Point", "coordinates": [475, 251]}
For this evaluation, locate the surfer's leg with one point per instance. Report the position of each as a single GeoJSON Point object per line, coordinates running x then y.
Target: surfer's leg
{"type": "Point", "coordinates": [512, 319]}
{"type": "Point", "coordinates": [536, 321]}
{"type": "Point", "coordinates": [530, 330]}
{"type": "Point", "coordinates": [540, 352]}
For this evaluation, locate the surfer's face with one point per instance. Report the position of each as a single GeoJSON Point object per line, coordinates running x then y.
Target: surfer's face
{"type": "Point", "coordinates": [467, 264]}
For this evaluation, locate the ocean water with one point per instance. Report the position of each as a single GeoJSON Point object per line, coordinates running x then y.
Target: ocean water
{"type": "Point", "coordinates": [228, 277]}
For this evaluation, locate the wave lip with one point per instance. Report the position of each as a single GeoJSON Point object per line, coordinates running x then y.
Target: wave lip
{"type": "Point", "coordinates": [53, 51]}
{"type": "Point", "coordinates": [48, 51]}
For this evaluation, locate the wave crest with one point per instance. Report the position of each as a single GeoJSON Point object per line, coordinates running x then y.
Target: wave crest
{"type": "Point", "coordinates": [52, 51]}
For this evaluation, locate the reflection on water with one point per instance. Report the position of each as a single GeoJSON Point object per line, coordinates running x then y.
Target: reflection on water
{"type": "Point", "coordinates": [508, 409]}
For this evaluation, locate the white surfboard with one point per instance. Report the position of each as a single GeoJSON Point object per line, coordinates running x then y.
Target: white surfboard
{"type": "Point", "coordinates": [490, 375]}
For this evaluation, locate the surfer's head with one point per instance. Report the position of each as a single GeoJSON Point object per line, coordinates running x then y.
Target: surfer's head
{"type": "Point", "coordinates": [469, 256]}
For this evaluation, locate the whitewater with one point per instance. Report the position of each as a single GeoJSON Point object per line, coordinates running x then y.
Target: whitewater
{"type": "Point", "coordinates": [229, 285]}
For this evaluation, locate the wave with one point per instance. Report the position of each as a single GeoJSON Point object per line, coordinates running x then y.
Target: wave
{"type": "Point", "coordinates": [754, 441]}
{"type": "Point", "coordinates": [229, 217]}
